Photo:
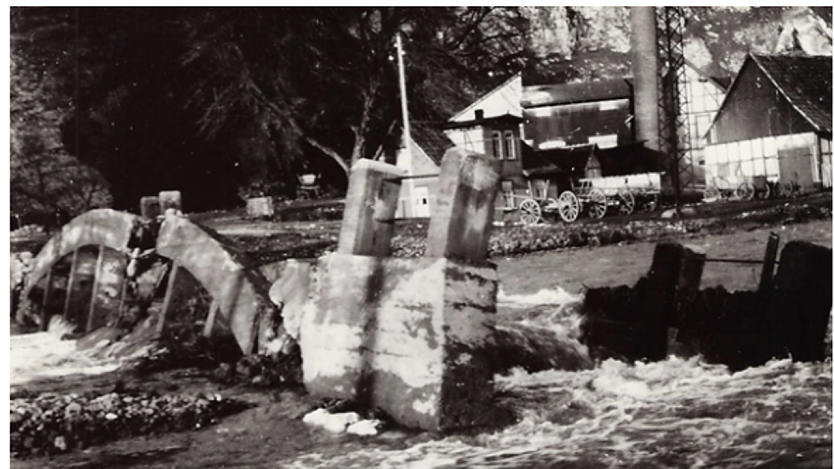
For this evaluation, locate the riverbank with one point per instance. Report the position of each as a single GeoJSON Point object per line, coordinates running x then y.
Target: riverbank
{"type": "Point", "coordinates": [669, 414]}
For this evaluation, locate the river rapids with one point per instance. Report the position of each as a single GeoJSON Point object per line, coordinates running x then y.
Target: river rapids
{"type": "Point", "coordinates": [668, 414]}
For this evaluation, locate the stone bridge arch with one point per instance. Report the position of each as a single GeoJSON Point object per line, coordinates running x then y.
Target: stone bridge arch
{"type": "Point", "coordinates": [104, 227]}
{"type": "Point", "coordinates": [239, 288]}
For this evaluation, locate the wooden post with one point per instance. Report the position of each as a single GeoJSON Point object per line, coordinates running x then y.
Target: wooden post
{"type": "Point", "coordinates": [166, 303]}
{"type": "Point", "coordinates": [800, 308]}
{"type": "Point", "coordinates": [91, 315]}
{"type": "Point", "coordinates": [766, 280]}
{"type": "Point", "coordinates": [462, 217]}
{"type": "Point", "coordinates": [208, 328]}
{"type": "Point", "coordinates": [47, 294]}
{"type": "Point", "coordinates": [675, 272]}
{"type": "Point", "coordinates": [149, 207]}
{"type": "Point", "coordinates": [70, 284]}
{"type": "Point", "coordinates": [370, 205]}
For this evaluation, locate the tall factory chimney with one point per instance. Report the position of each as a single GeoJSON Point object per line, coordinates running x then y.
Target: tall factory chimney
{"type": "Point", "coordinates": [644, 69]}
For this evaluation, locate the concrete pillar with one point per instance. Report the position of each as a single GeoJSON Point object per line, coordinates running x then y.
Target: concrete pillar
{"type": "Point", "coordinates": [800, 307]}
{"type": "Point", "coordinates": [370, 204]}
{"type": "Point", "coordinates": [333, 335]}
{"type": "Point", "coordinates": [150, 207]}
{"type": "Point", "coordinates": [428, 363]}
{"type": "Point", "coordinates": [170, 199]}
{"type": "Point", "coordinates": [461, 219]}
{"type": "Point", "coordinates": [407, 335]}
{"type": "Point", "coordinates": [334, 332]}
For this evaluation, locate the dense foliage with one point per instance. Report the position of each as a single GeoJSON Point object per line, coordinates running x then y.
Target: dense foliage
{"type": "Point", "coordinates": [111, 104]}
{"type": "Point", "coordinates": [223, 103]}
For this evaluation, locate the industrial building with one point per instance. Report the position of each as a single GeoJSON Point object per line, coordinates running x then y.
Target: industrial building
{"type": "Point", "coordinates": [775, 123]}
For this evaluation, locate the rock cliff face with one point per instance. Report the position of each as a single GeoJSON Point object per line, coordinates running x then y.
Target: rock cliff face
{"type": "Point", "coordinates": [596, 40]}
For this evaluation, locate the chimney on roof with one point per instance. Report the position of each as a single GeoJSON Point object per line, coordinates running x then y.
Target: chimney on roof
{"type": "Point", "coordinates": [479, 114]}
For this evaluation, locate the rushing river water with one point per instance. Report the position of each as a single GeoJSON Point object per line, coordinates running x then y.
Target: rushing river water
{"type": "Point", "coordinates": [669, 414]}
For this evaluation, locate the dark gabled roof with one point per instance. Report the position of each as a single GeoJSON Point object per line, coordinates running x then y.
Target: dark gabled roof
{"type": "Point", "coordinates": [805, 81]}
{"type": "Point", "coordinates": [432, 140]}
{"type": "Point", "coordinates": [506, 118]}
{"type": "Point", "coordinates": [572, 93]}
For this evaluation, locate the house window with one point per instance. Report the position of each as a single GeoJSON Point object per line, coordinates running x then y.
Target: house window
{"type": "Point", "coordinates": [604, 141]}
{"type": "Point", "coordinates": [509, 145]}
{"type": "Point", "coordinates": [507, 194]}
{"type": "Point", "coordinates": [497, 147]}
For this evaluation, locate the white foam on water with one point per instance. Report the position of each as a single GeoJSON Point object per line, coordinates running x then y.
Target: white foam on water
{"type": "Point", "coordinates": [673, 413]}
{"type": "Point", "coordinates": [45, 355]}
{"type": "Point", "coordinates": [559, 296]}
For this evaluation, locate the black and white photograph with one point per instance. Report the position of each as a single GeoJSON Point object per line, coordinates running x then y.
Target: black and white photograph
{"type": "Point", "coordinates": [420, 237]}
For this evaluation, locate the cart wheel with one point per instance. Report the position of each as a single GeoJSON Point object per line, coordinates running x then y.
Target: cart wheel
{"type": "Point", "coordinates": [764, 192]}
{"type": "Point", "coordinates": [712, 193]}
{"type": "Point", "coordinates": [568, 206]}
{"type": "Point", "coordinates": [626, 201]}
{"type": "Point", "coordinates": [596, 203]}
{"type": "Point", "coordinates": [530, 211]}
{"type": "Point", "coordinates": [786, 189]}
{"type": "Point", "coordinates": [796, 189]}
{"type": "Point", "coordinates": [745, 191]}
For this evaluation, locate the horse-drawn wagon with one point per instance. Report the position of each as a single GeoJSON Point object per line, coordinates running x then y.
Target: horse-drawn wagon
{"type": "Point", "coordinates": [594, 196]}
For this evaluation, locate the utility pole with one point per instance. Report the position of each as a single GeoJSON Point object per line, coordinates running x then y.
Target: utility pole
{"type": "Point", "coordinates": [404, 159]}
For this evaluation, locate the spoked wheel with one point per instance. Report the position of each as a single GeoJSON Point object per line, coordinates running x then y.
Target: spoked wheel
{"type": "Point", "coordinates": [596, 204]}
{"type": "Point", "coordinates": [530, 211]}
{"type": "Point", "coordinates": [763, 192]}
{"type": "Point", "coordinates": [796, 189]}
{"type": "Point", "coordinates": [626, 201]}
{"type": "Point", "coordinates": [568, 206]}
{"type": "Point", "coordinates": [745, 191]}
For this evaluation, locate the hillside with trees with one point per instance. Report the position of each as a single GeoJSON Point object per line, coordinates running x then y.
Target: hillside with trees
{"type": "Point", "coordinates": [111, 104]}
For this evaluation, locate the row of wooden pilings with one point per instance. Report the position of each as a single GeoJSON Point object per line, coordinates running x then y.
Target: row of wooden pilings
{"type": "Point", "coordinates": [666, 312]}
